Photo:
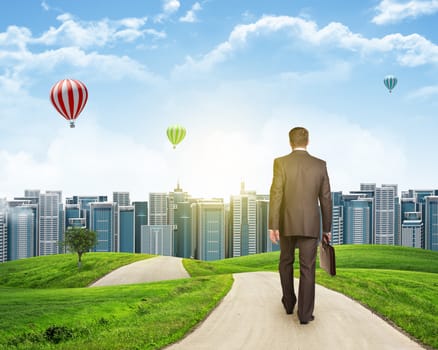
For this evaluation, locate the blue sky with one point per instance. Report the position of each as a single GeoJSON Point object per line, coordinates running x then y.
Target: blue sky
{"type": "Point", "coordinates": [237, 74]}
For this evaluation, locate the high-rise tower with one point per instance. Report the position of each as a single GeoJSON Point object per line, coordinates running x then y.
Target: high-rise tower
{"type": "Point", "coordinates": [50, 231]}
{"type": "Point", "coordinates": [243, 211]}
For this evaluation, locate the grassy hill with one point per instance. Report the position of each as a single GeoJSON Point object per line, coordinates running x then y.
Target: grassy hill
{"type": "Point", "coordinates": [44, 305]}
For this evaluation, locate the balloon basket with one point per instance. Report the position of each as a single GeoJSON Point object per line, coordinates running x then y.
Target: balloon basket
{"type": "Point", "coordinates": [72, 125]}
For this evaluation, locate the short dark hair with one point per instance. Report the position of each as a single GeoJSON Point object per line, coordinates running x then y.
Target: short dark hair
{"type": "Point", "coordinates": [299, 137]}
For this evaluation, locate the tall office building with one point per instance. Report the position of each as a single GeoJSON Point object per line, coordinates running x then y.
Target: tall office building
{"type": "Point", "coordinates": [127, 229]}
{"type": "Point", "coordinates": [33, 196]}
{"type": "Point", "coordinates": [264, 244]}
{"type": "Point", "coordinates": [386, 224]}
{"type": "Point", "coordinates": [431, 223]}
{"type": "Point", "coordinates": [157, 239]}
{"type": "Point", "coordinates": [407, 205]}
{"type": "Point", "coordinates": [61, 217]}
{"type": "Point", "coordinates": [121, 198]}
{"type": "Point", "coordinates": [209, 229]}
{"type": "Point", "coordinates": [3, 232]}
{"type": "Point", "coordinates": [141, 218]}
{"type": "Point", "coordinates": [50, 232]}
{"type": "Point", "coordinates": [337, 229]}
{"type": "Point", "coordinates": [412, 230]}
{"type": "Point", "coordinates": [103, 222]}
{"type": "Point", "coordinates": [73, 216]}
{"type": "Point", "coordinates": [358, 219]}
{"type": "Point", "coordinates": [180, 215]}
{"type": "Point", "coordinates": [243, 211]}
{"type": "Point", "coordinates": [397, 214]}
{"type": "Point", "coordinates": [21, 232]}
{"type": "Point", "coordinates": [158, 211]}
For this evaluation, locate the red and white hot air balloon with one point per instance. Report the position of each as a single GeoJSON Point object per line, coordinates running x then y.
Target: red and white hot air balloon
{"type": "Point", "coordinates": [69, 97]}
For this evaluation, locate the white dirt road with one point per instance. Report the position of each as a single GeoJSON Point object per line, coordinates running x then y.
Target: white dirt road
{"type": "Point", "coordinates": [159, 268]}
{"type": "Point", "coordinates": [251, 315]}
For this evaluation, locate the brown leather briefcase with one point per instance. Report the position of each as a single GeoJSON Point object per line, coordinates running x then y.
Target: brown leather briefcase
{"type": "Point", "coordinates": [327, 259]}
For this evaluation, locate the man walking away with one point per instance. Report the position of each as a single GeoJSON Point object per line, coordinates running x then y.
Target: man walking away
{"type": "Point", "coordinates": [299, 196]}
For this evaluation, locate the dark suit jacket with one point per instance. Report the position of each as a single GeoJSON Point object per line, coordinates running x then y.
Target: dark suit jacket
{"type": "Point", "coordinates": [300, 181]}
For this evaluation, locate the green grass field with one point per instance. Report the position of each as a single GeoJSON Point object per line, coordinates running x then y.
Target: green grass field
{"type": "Point", "coordinates": [44, 304]}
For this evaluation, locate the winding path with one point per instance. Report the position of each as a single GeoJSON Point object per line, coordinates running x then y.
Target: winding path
{"type": "Point", "coordinates": [159, 268]}
{"type": "Point", "coordinates": [251, 315]}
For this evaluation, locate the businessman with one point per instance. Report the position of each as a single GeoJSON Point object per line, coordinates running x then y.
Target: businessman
{"type": "Point", "coordinates": [300, 200]}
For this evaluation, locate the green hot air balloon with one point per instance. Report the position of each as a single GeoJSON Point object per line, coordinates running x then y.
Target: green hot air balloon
{"type": "Point", "coordinates": [390, 82]}
{"type": "Point", "coordinates": [175, 134]}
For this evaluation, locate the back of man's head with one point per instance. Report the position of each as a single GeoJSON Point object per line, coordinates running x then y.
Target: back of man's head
{"type": "Point", "coordinates": [299, 137]}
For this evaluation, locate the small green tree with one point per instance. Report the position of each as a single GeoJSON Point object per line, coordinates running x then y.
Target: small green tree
{"type": "Point", "coordinates": [80, 240]}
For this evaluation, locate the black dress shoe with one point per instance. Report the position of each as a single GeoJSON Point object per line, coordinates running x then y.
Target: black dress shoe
{"type": "Point", "coordinates": [306, 322]}
{"type": "Point", "coordinates": [289, 309]}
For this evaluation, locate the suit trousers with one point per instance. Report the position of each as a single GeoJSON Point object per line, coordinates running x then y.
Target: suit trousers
{"type": "Point", "coordinates": [306, 291]}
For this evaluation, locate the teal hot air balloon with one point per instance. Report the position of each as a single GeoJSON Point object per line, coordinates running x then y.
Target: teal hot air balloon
{"type": "Point", "coordinates": [175, 134]}
{"type": "Point", "coordinates": [390, 82]}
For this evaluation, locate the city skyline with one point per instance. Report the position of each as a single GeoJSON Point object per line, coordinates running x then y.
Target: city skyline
{"type": "Point", "coordinates": [236, 74]}
{"type": "Point", "coordinates": [127, 196]}
{"type": "Point", "coordinates": [176, 224]}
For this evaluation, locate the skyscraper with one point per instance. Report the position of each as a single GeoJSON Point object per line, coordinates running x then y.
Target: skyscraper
{"type": "Point", "coordinates": [386, 224]}
{"type": "Point", "coordinates": [21, 232]}
{"type": "Point", "coordinates": [73, 216]}
{"type": "Point", "coordinates": [121, 198]}
{"type": "Point", "coordinates": [127, 229]}
{"type": "Point", "coordinates": [264, 244]}
{"type": "Point", "coordinates": [158, 210]}
{"type": "Point", "coordinates": [141, 218]}
{"type": "Point", "coordinates": [209, 229]}
{"type": "Point", "coordinates": [33, 197]}
{"type": "Point", "coordinates": [103, 222]}
{"type": "Point", "coordinates": [180, 215]}
{"type": "Point", "coordinates": [431, 223]}
{"type": "Point", "coordinates": [337, 218]}
{"type": "Point", "coordinates": [243, 211]}
{"type": "Point", "coordinates": [412, 230]}
{"type": "Point", "coordinates": [3, 232]}
{"type": "Point", "coordinates": [358, 215]}
{"type": "Point", "coordinates": [84, 205]}
{"type": "Point", "coordinates": [49, 223]}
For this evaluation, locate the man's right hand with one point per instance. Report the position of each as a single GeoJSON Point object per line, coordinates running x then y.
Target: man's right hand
{"type": "Point", "coordinates": [327, 237]}
{"type": "Point", "coordinates": [274, 236]}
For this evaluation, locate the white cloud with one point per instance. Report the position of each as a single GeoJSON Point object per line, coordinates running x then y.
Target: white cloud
{"type": "Point", "coordinates": [15, 37]}
{"type": "Point", "coordinates": [190, 15]}
{"type": "Point", "coordinates": [95, 33]}
{"type": "Point", "coordinates": [410, 50]}
{"type": "Point", "coordinates": [169, 8]}
{"type": "Point", "coordinates": [74, 37]}
{"type": "Point", "coordinates": [133, 22]}
{"type": "Point", "coordinates": [85, 161]}
{"type": "Point", "coordinates": [392, 11]}
{"type": "Point", "coordinates": [83, 34]}
{"type": "Point", "coordinates": [108, 66]}
{"type": "Point", "coordinates": [45, 6]}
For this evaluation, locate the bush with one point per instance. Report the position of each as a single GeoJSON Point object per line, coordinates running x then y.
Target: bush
{"type": "Point", "coordinates": [57, 334]}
